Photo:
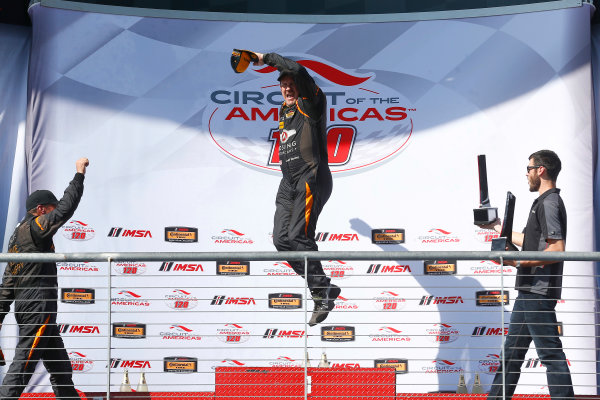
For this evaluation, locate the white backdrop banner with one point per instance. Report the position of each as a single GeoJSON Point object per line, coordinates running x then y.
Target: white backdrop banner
{"type": "Point", "coordinates": [177, 140]}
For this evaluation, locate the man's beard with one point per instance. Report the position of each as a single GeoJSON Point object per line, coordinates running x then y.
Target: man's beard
{"type": "Point", "coordinates": [534, 183]}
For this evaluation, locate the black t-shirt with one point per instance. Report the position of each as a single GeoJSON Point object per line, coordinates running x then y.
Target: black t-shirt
{"type": "Point", "coordinates": [547, 220]}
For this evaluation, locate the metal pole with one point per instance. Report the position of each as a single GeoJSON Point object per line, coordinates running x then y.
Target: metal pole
{"type": "Point", "coordinates": [502, 352]}
{"type": "Point", "coordinates": [109, 328]}
{"type": "Point", "coordinates": [306, 328]}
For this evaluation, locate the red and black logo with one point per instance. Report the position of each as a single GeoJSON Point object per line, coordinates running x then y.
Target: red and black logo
{"type": "Point", "coordinates": [178, 267]}
{"type": "Point", "coordinates": [136, 233]}
{"type": "Point", "coordinates": [81, 329]}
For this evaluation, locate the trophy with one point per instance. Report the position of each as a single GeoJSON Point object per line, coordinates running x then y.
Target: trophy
{"type": "Point", "coordinates": [504, 242]}
{"type": "Point", "coordinates": [485, 214]}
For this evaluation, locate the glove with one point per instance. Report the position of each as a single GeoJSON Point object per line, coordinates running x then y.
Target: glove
{"type": "Point", "coordinates": [240, 59]}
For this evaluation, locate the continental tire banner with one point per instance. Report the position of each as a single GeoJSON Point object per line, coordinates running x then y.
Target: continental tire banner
{"type": "Point", "coordinates": [183, 158]}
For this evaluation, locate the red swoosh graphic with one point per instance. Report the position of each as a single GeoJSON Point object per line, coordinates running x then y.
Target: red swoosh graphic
{"type": "Point", "coordinates": [181, 327]}
{"type": "Point", "coordinates": [127, 292]}
{"type": "Point", "coordinates": [326, 71]}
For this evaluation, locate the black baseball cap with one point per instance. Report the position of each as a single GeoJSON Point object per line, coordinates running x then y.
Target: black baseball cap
{"type": "Point", "coordinates": [40, 197]}
{"type": "Point", "coordinates": [286, 72]}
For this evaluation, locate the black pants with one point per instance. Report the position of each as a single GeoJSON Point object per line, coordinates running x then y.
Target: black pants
{"type": "Point", "coordinates": [533, 319]}
{"type": "Point", "coordinates": [39, 339]}
{"type": "Point", "coordinates": [297, 209]}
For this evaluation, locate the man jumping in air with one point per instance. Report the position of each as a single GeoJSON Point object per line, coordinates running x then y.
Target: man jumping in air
{"type": "Point", "coordinates": [306, 183]}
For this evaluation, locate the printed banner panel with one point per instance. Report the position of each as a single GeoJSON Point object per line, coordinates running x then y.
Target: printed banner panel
{"type": "Point", "coordinates": [183, 157]}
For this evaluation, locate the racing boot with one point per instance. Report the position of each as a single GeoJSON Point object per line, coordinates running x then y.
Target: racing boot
{"type": "Point", "coordinates": [324, 302]}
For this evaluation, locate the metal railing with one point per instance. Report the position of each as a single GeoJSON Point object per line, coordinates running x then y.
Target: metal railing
{"type": "Point", "coordinates": [405, 256]}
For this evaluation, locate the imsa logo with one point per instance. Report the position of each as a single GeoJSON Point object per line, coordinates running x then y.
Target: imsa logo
{"type": "Point", "coordinates": [285, 301]}
{"type": "Point", "coordinates": [180, 364]}
{"type": "Point", "coordinates": [429, 300]}
{"type": "Point", "coordinates": [399, 364]}
{"type": "Point", "coordinates": [336, 237]}
{"type": "Point", "coordinates": [176, 267]}
{"type": "Point", "coordinates": [272, 333]}
{"type": "Point", "coordinates": [480, 331]}
{"type": "Point", "coordinates": [81, 329]}
{"type": "Point", "coordinates": [338, 333]}
{"type": "Point", "coordinates": [223, 300]}
{"type": "Point", "coordinates": [78, 295]}
{"type": "Point", "coordinates": [135, 233]}
{"type": "Point", "coordinates": [234, 268]}
{"type": "Point", "coordinates": [128, 330]}
{"type": "Point", "coordinates": [133, 364]}
{"type": "Point", "coordinates": [388, 269]}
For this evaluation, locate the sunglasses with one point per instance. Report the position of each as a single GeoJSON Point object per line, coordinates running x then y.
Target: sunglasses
{"type": "Point", "coordinates": [530, 167]}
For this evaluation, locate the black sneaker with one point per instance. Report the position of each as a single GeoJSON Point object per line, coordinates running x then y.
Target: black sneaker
{"type": "Point", "coordinates": [324, 302]}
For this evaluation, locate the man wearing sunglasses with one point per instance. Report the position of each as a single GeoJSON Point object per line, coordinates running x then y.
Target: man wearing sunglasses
{"type": "Point", "coordinates": [539, 284]}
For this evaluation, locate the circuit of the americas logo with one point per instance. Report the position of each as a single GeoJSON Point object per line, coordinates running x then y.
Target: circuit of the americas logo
{"type": "Point", "coordinates": [443, 333]}
{"type": "Point", "coordinates": [80, 362]}
{"type": "Point", "coordinates": [179, 332]}
{"type": "Point", "coordinates": [399, 364]}
{"type": "Point", "coordinates": [233, 334]}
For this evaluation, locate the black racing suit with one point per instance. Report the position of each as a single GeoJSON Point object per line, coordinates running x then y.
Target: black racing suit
{"type": "Point", "coordinates": [306, 183]}
{"type": "Point", "coordinates": [33, 288]}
